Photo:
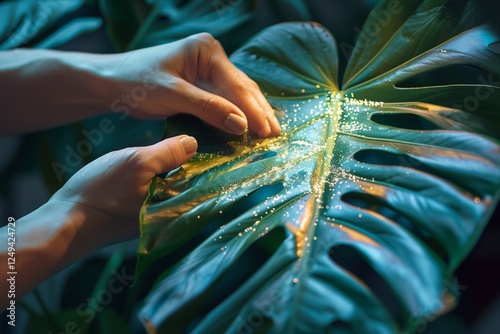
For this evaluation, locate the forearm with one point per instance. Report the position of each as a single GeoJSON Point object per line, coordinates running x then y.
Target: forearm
{"type": "Point", "coordinates": [42, 243]}
{"type": "Point", "coordinates": [45, 88]}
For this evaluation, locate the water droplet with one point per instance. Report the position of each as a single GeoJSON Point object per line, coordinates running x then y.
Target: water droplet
{"type": "Point", "coordinates": [477, 199]}
{"type": "Point", "coordinates": [295, 280]}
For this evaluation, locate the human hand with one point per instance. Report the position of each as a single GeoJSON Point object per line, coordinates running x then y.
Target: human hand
{"type": "Point", "coordinates": [192, 76]}
{"type": "Point", "coordinates": [106, 195]}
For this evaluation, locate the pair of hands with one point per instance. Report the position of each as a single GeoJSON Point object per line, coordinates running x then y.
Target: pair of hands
{"type": "Point", "coordinates": [192, 76]}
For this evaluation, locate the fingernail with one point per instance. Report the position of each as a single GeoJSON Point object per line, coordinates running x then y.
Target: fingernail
{"type": "Point", "coordinates": [235, 124]}
{"type": "Point", "coordinates": [190, 145]}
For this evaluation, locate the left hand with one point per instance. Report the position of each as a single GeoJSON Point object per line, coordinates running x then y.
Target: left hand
{"type": "Point", "coordinates": [106, 195]}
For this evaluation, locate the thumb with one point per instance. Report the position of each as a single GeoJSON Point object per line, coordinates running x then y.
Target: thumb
{"type": "Point", "coordinates": [170, 153]}
{"type": "Point", "coordinates": [211, 108]}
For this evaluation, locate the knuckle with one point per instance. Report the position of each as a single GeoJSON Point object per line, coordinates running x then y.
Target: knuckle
{"type": "Point", "coordinates": [206, 37]}
{"type": "Point", "coordinates": [203, 48]}
{"type": "Point", "coordinates": [204, 40]}
{"type": "Point", "coordinates": [251, 83]}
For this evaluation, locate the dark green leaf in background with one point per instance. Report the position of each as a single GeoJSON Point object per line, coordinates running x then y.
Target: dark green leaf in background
{"type": "Point", "coordinates": [26, 23]}
{"type": "Point", "coordinates": [136, 24]}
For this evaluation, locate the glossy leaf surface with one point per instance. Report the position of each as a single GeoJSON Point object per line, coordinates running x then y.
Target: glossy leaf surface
{"type": "Point", "coordinates": [137, 24]}
{"type": "Point", "coordinates": [376, 190]}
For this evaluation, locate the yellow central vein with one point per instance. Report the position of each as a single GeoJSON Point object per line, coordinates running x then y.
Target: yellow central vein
{"type": "Point", "coordinates": [304, 233]}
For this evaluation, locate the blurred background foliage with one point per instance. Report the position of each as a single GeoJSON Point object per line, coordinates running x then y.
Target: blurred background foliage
{"type": "Point", "coordinates": [104, 26]}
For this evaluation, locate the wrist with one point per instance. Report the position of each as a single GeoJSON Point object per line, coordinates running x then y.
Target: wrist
{"type": "Point", "coordinates": [50, 88]}
{"type": "Point", "coordinates": [85, 226]}
{"type": "Point", "coordinates": [89, 80]}
{"type": "Point", "coordinates": [47, 243]}
{"type": "Point", "coordinates": [60, 230]}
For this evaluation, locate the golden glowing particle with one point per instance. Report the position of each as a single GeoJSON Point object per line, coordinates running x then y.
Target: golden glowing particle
{"type": "Point", "coordinates": [317, 86]}
{"type": "Point", "coordinates": [295, 280]}
{"type": "Point", "coordinates": [302, 90]}
{"type": "Point", "coordinates": [477, 199]}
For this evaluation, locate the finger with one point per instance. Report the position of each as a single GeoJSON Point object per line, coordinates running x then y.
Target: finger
{"type": "Point", "coordinates": [237, 87]}
{"type": "Point", "coordinates": [170, 153]}
{"type": "Point", "coordinates": [211, 108]}
{"type": "Point", "coordinates": [274, 124]}
{"type": "Point", "coordinates": [218, 75]}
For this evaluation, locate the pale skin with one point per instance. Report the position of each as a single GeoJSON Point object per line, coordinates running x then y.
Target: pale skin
{"type": "Point", "coordinates": [94, 208]}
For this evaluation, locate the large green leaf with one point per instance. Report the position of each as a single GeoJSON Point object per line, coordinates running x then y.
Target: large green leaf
{"type": "Point", "coordinates": [137, 24]}
{"type": "Point", "coordinates": [376, 190]}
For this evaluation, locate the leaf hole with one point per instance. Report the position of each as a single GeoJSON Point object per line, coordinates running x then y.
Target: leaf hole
{"type": "Point", "coordinates": [241, 271]}
{"type": "Point", "coordinates": [351, 260]}
{"type": "Point", "coordinates": [447, 75]}
{"type": "Point", "coordinates": [340, 327]}
{"type": "Point", "coordinates": [379, 157]}
{"type": "Point", "coordinates": [403, 121]}
{"type": "Point", "coordinates": [495, 47]}
{"type": "Point", "coordinates": [163, 18]}
{"type": "Point", "coordinates": [373, 203]}
{"type": "Point", "coordinates": [262, 156]}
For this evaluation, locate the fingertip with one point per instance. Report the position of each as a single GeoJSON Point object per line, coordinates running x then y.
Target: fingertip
{"type": "Point", "coordinates": [235, 124]}
{"type": "Point", "coordinates": [264, 131]}
{"type": "Point", "coordinates": [189, 144]}
{"type": "Point", "coordinates": [275, 124]}
{"type": "Point", "coordinates": [171, 153]}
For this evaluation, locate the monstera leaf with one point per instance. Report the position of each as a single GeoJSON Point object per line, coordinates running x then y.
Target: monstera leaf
{"type": "Point", "coordinates": [373, 194]}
